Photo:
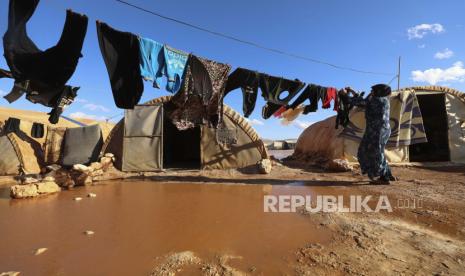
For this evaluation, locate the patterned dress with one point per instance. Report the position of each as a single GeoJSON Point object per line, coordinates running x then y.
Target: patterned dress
{"type": "Point", "coordinates": [371, 150]}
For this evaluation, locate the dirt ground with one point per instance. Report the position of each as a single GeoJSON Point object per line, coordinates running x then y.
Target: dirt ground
{"type": "Point", "coordinates": [424, 235]}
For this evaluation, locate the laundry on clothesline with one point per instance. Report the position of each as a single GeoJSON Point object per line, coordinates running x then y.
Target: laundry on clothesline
{"type": "Point", "coordinates": [41, 75]}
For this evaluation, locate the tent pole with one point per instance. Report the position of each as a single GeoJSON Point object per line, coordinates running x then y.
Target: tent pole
{"type": "Point", "coordinates": [398, 75]}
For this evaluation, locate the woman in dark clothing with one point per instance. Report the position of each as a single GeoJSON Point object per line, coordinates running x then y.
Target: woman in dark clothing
{"type": "Point", "coordinates": [371, 150]}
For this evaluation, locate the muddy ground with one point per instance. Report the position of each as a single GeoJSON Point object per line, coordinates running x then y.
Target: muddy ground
{"type": "Point", "coordinates": [229, 234]}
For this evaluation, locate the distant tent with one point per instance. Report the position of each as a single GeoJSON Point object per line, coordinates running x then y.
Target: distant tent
{"type": "Point", "coordinates": [197, 148]}
{"type": "Point", "coordinates": [19, 152]}
{"type": "Point", "coordinates": [442, 122]}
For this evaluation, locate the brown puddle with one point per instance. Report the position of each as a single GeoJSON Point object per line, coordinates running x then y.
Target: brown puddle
{"type": "Point", "coordinates": [137, 221]}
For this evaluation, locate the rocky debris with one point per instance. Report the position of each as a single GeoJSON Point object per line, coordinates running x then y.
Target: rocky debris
{"type": "Point", "coordinates": [48, 188]}
{"type": "Point", "coordinates": [10, 273]}
{"type": "Point", "coordinates": [96, 166]}
{"type": "Point", "coordinates": [49, 179]}
{"type": "Point", "coordinates": [174, 262]}
{"type": "Point", "coordinates": [264, 166]}
{"type": "Point", "coordinates": [82, 168]}
{"type": "Point", "coordinates": [86, 175]}
{"type": "Point", "coordinates": [53, 167]}
{"type": "Point", "coordinates": [82, 179]}
{"type": "Point", "coordinates": [89, 233]}
{"type": "Point", "coordinates": [55, 177]}
{"type": "Point", "coordinates": [338, 165]}
{"type": "Point", "coordinates": [91, 195]}
{"type": "Point", "coordinates": [62, 176]}
{"type": "Point", "coordinates": [34, 189]}
{"type": "Point", "coordinates": [40, 251]}
{"type": "Point", "coordinates": [29, 180]}
{"type": "Point", "coordinates": [24, 191]}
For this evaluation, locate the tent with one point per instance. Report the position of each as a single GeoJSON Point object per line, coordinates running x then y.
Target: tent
{"type": "Point", "coordinates": [21, 152]}
{"type": "Point", "coordinates": [146, 134]}
{"type": "Point", "coordinates": [431, 112]}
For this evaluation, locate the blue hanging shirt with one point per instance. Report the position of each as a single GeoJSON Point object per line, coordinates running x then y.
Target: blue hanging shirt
{"type": "Point", "coordinates": [152, 61]}
{"type": "Point", "coordinates": [176, 61]}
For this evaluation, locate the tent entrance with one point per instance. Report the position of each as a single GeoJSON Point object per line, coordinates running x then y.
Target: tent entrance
{"type": "Point", "coordinates": [181, 149]}
{"type": "Point", "coordinates": [433, 110]}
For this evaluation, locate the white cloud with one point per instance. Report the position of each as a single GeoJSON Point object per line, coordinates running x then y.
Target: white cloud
{"type": "Point", "coordinates": [255, 122]}
{"type": "Point", "coordinates": [302, 124]}
{"type": "Point", "coordinates": [422, 46]}
{"type": "Point", "coordinates": [79, 100]}
{"type": "Point", "coordinates": [96, 107]}
{"type": "Point", "coordinates": [82, 115]}
{"type": "Point", "coordinates": [445, 54]}
{"type": "Point", "coordinates": [419, 31]}
{"type": "Point", "coordinates": [437, 75]}
{"type": "Point", "coordinates": [2, 93]}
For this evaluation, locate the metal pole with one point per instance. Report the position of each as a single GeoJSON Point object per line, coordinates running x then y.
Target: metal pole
{"type": "Point", "coordinates": [398, 75]}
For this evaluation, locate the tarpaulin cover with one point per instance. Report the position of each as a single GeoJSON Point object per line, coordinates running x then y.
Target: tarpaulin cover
{"type": "Point", "coordinates": [82, 145]}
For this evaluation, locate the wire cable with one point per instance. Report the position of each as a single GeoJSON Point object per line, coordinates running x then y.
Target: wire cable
{"type": "Point", "coordinates": [239, 40]}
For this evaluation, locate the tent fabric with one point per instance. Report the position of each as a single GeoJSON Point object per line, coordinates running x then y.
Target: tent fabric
{"type": "Point", "coordinates": [321, 140]}
{"type": "Point", "coordinates": [244, 152]}
{"type": "Point", "coordinates": [82, 145]}
{"type": "Point", "coordinates": [248, 150]}
{"type": "Point", "coordinates": [38, 152]}
{"type": "Point", "coordinates": [9, 163]}
{"type": "Point", "coordinates": [53, 144]}
{"type": "Point", "coordinates": [142, 142]}
{"type": "Point", "coordinates": [26, 154]}
{"type": "Point", "coordinates": [405, 118]}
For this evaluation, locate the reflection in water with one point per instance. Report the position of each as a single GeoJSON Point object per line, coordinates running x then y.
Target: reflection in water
{"type": "Point", "coordinates": [135, 222]}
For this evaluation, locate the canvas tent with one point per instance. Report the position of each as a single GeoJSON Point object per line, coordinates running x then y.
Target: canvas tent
{"type": "Point", "coordinates": [146, 134]}
{"type": "Point", "coordinates": [442, 123]}
{"type": "Point", "coordinates": [21, 151]}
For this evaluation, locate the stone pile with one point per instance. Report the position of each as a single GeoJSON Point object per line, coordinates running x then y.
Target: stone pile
{"type": "Point", "coordinates": [56, 177]}
{"type": "Point", "coordinates": [81, 175]}
{"type": "Point", "coordinates": [33, 187]}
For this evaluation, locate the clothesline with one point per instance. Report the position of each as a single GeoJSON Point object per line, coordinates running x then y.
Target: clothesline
{"type": "Point", "coordinates": [246, 42]}
{"type": "Point", "coordinates": [129, 59]}
{"type": "Point", "coordinates": [239, 40]}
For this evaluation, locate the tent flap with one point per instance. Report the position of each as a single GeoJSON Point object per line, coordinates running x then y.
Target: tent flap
{"type": "Point", "coordinates": [143, 139]}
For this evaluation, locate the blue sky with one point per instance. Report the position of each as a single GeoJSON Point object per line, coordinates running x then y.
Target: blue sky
{"type": "Point", "coordinates": [368, 35]}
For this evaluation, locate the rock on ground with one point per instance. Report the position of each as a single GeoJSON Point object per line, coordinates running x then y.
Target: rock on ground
{"type": "Point", "coordinates": [24, 191]}
{"type": "Point", "coordinates": [338, 165]}
{"type": "Point", "coordinates": [264, 166]}
{"type": "Point", "coordinates": [34, 189]}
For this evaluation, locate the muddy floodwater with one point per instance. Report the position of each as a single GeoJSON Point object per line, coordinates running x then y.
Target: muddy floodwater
{"type": "Point", "coordinates": [136, 222]}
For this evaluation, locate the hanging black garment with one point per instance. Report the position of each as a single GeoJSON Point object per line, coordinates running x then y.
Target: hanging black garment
{"type": "Point", "coordinates": [12, 125]}
{"type": "Point", "coordinates": [37, 130]}
{"type": "Point", "coordinates": [121, 53]}
{"type": "Point", "coordinates": [45, 73]}
{"type": "Point", "coordinates": [248, 81]}
{"type": "Point", "coordinates": [272, 89]}
{"type": "Point", "coordinates": [313, 93]}
{"type": "Point", "coordinates": [5, 74]}
{"type": "Point", "coordinates": [345, 104]}
{"type": "Point", "coordinates": [342, 117]}
{"type": "Point", "coordinates": [65, 99]}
